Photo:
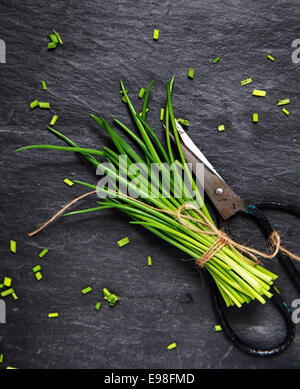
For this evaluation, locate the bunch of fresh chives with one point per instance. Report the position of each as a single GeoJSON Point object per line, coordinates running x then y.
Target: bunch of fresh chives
{"type": "Point", "coordinates": [238, 278]}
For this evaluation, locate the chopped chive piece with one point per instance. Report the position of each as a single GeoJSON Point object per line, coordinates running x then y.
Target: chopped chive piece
{"type": "Point", "coordinates": [123, 92]}
{"type": "Point", "coordinates": [149, 260]}
{"type": "Point", "coordinates": [34, 104]}
{"type": "Point", "coordinates": [37, 268]}
{"type": "Point", "coordinates": [110, 297]}
{"type": "Point", "coordinates": [1, 358]}
{"type": "Point", "coordinates": [54, 120]}
{"type": "Point", "coordinates": [260, 93]}
{"type": "Point", "coordinates": [191, 73]}
{"type": "Point", "coordinates": [246, 81]}
{"type": "Point", "coordinates": [1, 286]}
{"type": "Point", "coordinates": [15, 296]}
{"type": "Point", "coordinates": [97, 306]}
{"type": "Point", "coordinates": [13, 246]}
{"type": "Point", "coordinates": [44, 86]}
{"type": "Point", "coordinates": [86, 290]}
{"type": "Point", "coordinates": [276, 290]}
{"type": "Point", "coordinates": [106, 292]}
{"type": "Point", "coordinates": [171, 346]}
{"type": "Point", "coordinates": [284, 101]}
{"type": "Point", "coordinates": [269, 56]}
{"type": "Point", "coordinates": [7, 281]}
{"type": "Point", "coordinates": [216, 60]}
{"type": "Point", "coordinates": [7, 292]}
{"type": "Point", "coordinates": [38, 275]}
{"type": "Point", "coordinates": [43, 253]}
{"type": "Point", "coordinates": [218, 328]}
{"type": "Point", "coordinates": [221, 127]}
{"type": "Point", "coordinates": [183, 121]}
{"type": "Point", "coordinates": [51, 45]}
{"type": "Point", "coordinates": [285, 111]}
{"type": "Point", "coordinates": [44, 105]}
{"type": "Point", "coordinates": [11, 368]}
{"type": "Point", "coordinates": [68, 182]}
{"type": "Point", "coordinates": [53, 38]}
{"type": "Point", "coordinates": [123, 242]}
{"type": "Point", "coordinates": [255, 117]}
{"type": "Point", "coordinates": [162, 113]}
{"type": "Point", "coordinates": [142, 92]}
{"type": "Point", "coordinates": [124, 99]}
{"type": "Point", "coordinates": [54, 314]}
{"type": "Point", "coordinates": [155, 34]}
{"type": "Point", "coordinates": [58, 37]}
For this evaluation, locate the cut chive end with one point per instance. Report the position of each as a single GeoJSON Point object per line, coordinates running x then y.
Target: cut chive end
{"type": "Point", "coordinates": [172, 346]}
{"type": "Point", "coordinates": [155, 34]}
{"type": "Point", "coordinates": [246, 81]}
{"type": "Point", "coordinates": [285, 111]}
{"type": "Point", "coordinates": [37, 268]}
{"type": "Point", "coordinates": [284, 101]}
{"type": "Point", "coordinates": [53, 315]}
{"type": "Point", "coordinates": [191, 73]}
{"type": "Point", "coordinates": [51, 45]}
{"type": "Point", "coordinates": [123, 242]}
{"type": "Point", "coordinates": [68, 182]}
{"type": "Point", "coordinates": [184, 122]}
{"type": "Point", "coordinates": [13, 246]}
{"type": "Point", "coordinates": [260, 93]}
{"type": "Point", "coordinates": [255, 117]}
{"type": "Point", "coordinates": [86, 290]}
{"type": "Point", "coordinates": [43, 253]}
{"type": "Point", "coordinates": [7, 281]}
{"type": "Point", "coordinates": [34, 104]}
{"type": "Point", "coordinates": [218, 328]}
{"type": "Point", "coordinates": [162, 114]}
{"type": "Point", "coordinates": [38, 275]}
{"type": "Point", "coordinates": [110, 297]}
{"type": "Point", "coordinates": [7, 292]}
{"type": "Point", "coordinates": [54, 120]}
{"type": "Point", "coordinates": [58, 37]}
{"type": "Point", "coordinates": [142, 92]}
{"type": "Point", "coordinates": [44, 105]}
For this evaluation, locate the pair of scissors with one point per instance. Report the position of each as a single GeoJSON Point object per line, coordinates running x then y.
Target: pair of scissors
{"type": "Point", "coordinates": [229, 204]}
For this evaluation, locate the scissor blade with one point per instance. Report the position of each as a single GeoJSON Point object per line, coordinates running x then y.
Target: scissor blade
{"type": "Point", "coordinates": [195, 150]}
{"type": "Point", "coordinates": [226, 201]}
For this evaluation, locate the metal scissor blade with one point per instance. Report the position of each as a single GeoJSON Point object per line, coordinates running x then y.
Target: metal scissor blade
{"type": "Point", "coordinates": [196, 151]}
{"type": "Point", "coordinates": [226, 201]}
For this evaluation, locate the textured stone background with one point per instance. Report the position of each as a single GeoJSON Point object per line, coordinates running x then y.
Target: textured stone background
{"type": "Point", "coordinates": [105, 41]}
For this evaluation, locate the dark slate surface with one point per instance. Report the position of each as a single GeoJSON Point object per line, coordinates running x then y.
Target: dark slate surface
{"type": "Point", "coordinates": [105, 41]}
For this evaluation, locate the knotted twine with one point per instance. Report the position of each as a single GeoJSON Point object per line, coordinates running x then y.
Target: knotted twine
{"type": "Point", "coordinates": [222, 238]}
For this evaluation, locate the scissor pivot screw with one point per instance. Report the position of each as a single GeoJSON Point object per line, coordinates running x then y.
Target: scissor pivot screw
{"type": "Point", "coordinates": [219, 191]}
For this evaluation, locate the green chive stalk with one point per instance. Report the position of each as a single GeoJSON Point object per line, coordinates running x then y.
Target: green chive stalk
{"type": "Point", "coordinates": [238, 278]}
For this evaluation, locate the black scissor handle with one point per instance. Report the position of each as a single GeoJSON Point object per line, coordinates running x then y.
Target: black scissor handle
{"type": "Point", "coordinates": [284, 260]}
{"type": "Point", "coordinates": [254, 212]}
{"type": "Point", "coordinates": [276, 300]}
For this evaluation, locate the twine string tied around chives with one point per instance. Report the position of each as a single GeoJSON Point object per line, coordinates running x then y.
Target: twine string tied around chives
{"type": "Point", "coordinates": [222, 238]}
